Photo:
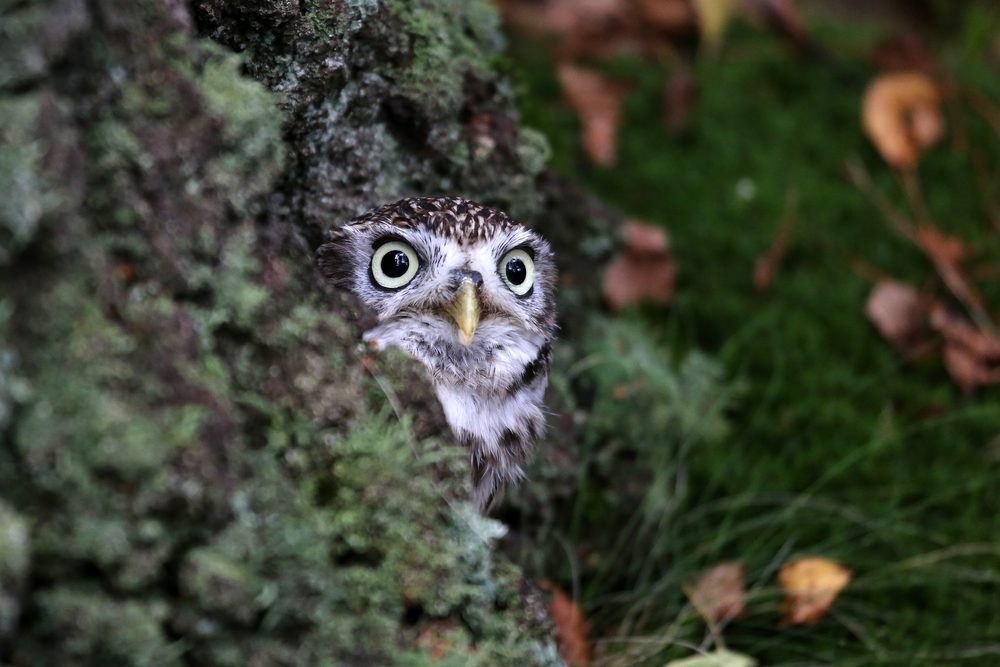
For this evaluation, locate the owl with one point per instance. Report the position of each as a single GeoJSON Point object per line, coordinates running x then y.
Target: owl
{"type": "Point", "coordinates": [468, 293]}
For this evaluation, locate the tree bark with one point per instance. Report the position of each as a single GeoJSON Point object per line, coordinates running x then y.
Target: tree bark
{"type": "Point", "coordinates": [198, 465]}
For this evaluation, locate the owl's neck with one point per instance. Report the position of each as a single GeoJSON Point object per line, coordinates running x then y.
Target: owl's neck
{"type": "Point", "coordinates": [499, 425]}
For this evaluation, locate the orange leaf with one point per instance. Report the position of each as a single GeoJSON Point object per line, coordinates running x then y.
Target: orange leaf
{"type": "Point", "coordinates": [901, 115]}
{"type": "Point", "coordinates": [811, 585]}
{"type": "Point", "coordinates": [597, 101]}
{"type": "Point", "coordinates": [718, 594]}
{"type": "Point", "coordinates": [571, 627]}
{"type": "Point", "coordinates": [644, 269]}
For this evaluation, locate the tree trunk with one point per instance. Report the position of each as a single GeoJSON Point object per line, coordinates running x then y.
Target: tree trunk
{"type": "Point", "coordinates": [198, 465]}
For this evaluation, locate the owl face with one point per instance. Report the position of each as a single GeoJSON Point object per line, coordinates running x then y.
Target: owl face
{"type": "Point", "coordinates": [458, 285]}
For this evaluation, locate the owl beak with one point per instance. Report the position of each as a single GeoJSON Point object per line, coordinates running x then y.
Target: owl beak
{"type": "Point", "coordinates": [464, 309]}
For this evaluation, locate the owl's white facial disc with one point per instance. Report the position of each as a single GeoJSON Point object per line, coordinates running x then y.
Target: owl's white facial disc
{"type": "Point", "coordinates": [468, 292]}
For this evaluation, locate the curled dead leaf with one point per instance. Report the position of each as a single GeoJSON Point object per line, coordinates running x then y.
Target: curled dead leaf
{"type": "Point", "coordinates": [810, 585]}
{"type": "Point", "coordinates": [597, 101]}
{"type": "Point", "coordinates": [719, 594]}
{"type": "Point", "coordinates": [971, 356]}
{"type": "Point", "coordinates": [643, 270]}
{"type": "Point", "coordinates": [900, 314]}
{"type": "Point", "coordinates": [571, 627]}
{"type": "Point", "coordinates": [901, 115]}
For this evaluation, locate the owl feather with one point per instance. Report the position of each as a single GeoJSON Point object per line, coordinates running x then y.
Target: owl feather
{"type": "Point", "coordinates": [467, 292]}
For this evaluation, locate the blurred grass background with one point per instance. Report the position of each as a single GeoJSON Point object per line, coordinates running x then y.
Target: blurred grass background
{"type": "Point", "coordinates": [836, 446]}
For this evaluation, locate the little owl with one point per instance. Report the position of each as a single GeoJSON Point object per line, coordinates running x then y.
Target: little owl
{"type": "Point", "coordinates": [466, 291]}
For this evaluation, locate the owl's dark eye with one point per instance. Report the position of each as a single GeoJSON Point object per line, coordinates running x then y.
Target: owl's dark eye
{"type": "Point", "coordinates": [394, 264]}
{"type": "Point", "coordinates": [517, 270]}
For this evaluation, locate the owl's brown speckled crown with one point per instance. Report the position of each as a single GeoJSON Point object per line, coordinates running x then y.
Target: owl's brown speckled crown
{"type": "Point", "coordinates": [455, 218]}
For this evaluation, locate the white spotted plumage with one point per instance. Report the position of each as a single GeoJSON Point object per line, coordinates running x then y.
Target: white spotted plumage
{"type": "Point", "coordinates": [491, 386]}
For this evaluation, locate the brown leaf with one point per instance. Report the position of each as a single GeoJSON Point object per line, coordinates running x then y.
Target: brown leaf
{"type": "Point", "coordinates": [811, 585]}
{"type": "Point", "coordinates": [900, 314]}
{"type": "Point", "coordinates": [579, 28]}
{"type": "Point", "coordinates": [946, 252]}
{"type": "Point", "coordinates": [679, 98]}
{"type": "Point", "coordinates": [966, 369]}
{"type": "Point", "coordinates": [718, 594]}
{"type": "Point", "coordinates": [644, 269]}
{"type": "Point", "coordinates": [571, 627]}
{"type": "Point", "coordinates": [971, 356]}
{"type": "Point", "coordinates": [597, 101]}
{"type": "Point", "coordinates": [901, 115]}
{"type": "Point", "coordinates": [667, 15]}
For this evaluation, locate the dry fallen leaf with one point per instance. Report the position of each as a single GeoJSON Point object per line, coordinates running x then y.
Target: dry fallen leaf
{"type": "Point", "coordinates": [811, 585]}
{"type": "Point", "coordinates": [666, 15]}
{"type": "Point", "coordinates": [718, 594]}
{"type": "Point", "coordinates": [597, 101]}
{"type": "Point", "coordinates": [713, 19]}
{"type": "Point", "coordinates": [901, 115]}
{"type": "Point", "coordinates": [946, 253]}
{"type": "Point", "coordinates": [900, 314]}
{"type": "Point", "coordinates": [644, 269]}
{"type": "Point", "coordinates": [971, 356]}
{"type": "Point", "coordinates": [718, 658]}
{"type": "Point", "coordinates": [571, 627]}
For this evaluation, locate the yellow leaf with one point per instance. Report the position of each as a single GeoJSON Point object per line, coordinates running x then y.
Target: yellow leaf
{"type": "Point", "coordinates": [811, 585]}
{"type": "Point", "coordinates": [713, 19]}
{"type": "Point", "coordinates": [718, 658]}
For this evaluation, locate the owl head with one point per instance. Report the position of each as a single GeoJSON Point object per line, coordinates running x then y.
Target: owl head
{"type": "Point", "coordinates": [460, 286]}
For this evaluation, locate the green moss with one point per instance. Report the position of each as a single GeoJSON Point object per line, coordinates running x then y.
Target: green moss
{"type": "Point", "coordinates": [252, 129]}
{"type": "Point", "coordinates": [29, 195]}
{"type": "Point", "coordinates": [449, 41]}
{"type": "Point", "coordinates": [91, 626]}
{"type": "Point", "coordinates": [15, 558]}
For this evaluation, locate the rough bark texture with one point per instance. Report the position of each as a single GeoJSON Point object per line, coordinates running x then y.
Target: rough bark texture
{"type": "Point", "coordinates": [196, 464]}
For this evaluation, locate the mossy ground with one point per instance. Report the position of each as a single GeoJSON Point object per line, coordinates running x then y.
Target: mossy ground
{"type": "Point", "coordinates": [837, 447]}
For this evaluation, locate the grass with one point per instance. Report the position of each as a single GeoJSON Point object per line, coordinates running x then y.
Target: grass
{"type": "Point", "coordinates": [837, 447]}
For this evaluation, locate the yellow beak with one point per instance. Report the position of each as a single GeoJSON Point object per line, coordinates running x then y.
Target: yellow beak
{"type": "Point", "coordinates": [464, 309]}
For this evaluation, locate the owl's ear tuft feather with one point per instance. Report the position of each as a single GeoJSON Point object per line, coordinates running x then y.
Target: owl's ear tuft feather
{"type": "Point", "coordinates": [333, 259]}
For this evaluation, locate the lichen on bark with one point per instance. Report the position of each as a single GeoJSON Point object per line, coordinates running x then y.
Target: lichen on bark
{"type": "Point", "coordinates": [196, 467]}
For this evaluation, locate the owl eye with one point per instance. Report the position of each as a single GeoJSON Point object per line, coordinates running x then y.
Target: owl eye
{"type": "Point", "coordinates": [517, 270]}
{"type": "Point", "coordinates": [394, 264]}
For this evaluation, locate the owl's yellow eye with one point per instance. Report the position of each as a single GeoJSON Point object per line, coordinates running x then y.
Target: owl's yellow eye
{"type": "Point", "coordinates": [394, 264]}
{"type": "Point", "coordinates": [517, 269]}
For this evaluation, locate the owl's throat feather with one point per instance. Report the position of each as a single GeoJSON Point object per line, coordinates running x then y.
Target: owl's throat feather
{"type": "Point", "coordinates": [491, 394]}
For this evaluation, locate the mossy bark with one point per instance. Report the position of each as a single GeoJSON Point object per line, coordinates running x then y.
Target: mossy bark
{"type": "Point", "coordinates": [197, 464]}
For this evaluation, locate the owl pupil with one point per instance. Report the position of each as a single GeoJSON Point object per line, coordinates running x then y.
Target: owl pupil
{"type": "Point", "coordinates": [516, 271]}
{"type": "Point", "coordinates": [395, 263]}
